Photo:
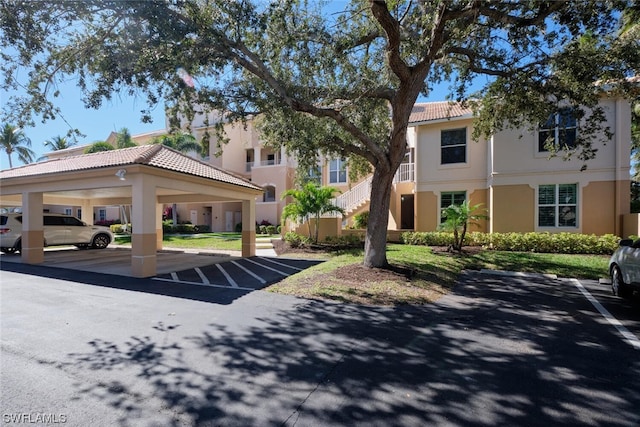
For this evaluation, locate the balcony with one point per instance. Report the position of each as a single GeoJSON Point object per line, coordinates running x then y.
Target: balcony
{"type": "Point", "coordinates": [405, 173]}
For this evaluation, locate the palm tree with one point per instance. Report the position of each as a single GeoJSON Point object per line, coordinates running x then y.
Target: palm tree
{"type": "Point", "coordinates": [15, 141]}
{"type": "Point", "coordinates": [124, 140]}
{"type": "Point", "coordinates": [458, 218]}
{"type": "Point", "coordinates": [311, 201]}
{"type": "Point", "coordinates": [59, 143]}
{"type": "Point", "coordinates": [181, 141]}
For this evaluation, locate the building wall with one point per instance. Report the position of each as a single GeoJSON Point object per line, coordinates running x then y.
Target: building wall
{"type": "Point", "coordinates": [512, 209]}
{"type": "Point", "coordinates": [427, 211]}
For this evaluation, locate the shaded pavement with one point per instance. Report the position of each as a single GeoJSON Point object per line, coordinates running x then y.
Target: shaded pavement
{"type": "Point", "coordinates": [498, 351]}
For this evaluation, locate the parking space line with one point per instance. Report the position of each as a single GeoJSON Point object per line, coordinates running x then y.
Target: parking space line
{"type": "Point", "coordinates": [268, 268]}
{"type": "Point", "coordinates": [629, 337]}
{"type": "Point", "coordinates": [174, 276]}
{"type": "Point", "coordinates": [260, 279]}
{"type": "Point", "coordinates": [204, 278]}
{"type": "Point", "coordinates": [211, 285]}
{"type": "Point", "coordinates": [280, 263]}
{"type": "Point", "coordinates": [229, 278]}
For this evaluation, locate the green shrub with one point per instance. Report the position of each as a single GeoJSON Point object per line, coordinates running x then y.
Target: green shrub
{"type": "Point", "coordinates": [279, 229]}
{"type": "Point", "coordinates": [361, 219]}
{"type": "Point", "coordinates": [238, 227]}
{"type": "Point", "coordinates": [202, 228]}
{"type": "Point", "coordinates": [270, 229]}
{"type": "Point", "coordinates": [116, 228]}
{"type": "Point", "coordinates": [347, 241]}
{"type": "Point", "coordinates": [566, 243]}
{"type": "Point", "coordinates": [294, 239]}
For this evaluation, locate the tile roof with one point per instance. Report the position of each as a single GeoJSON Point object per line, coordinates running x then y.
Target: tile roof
{"type": "Point", "coordinates": [429, 111]}
{"type": "Point", "coordinates": [154, 155]}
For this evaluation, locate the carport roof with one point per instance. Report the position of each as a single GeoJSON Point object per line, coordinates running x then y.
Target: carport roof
{"type": "Point", "coordinates": [155, 155]}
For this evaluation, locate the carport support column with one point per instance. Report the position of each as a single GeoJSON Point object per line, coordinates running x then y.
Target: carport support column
{"type": "Point", "coordinates": [143, 224]}
{"type": "Point", "coordinates": [248, 228]}
{"type": "Point", "coordinates": [87, 212]}
{"type": "Point", "coordinates": [159, 230]}
{"type": "Point", "coordinates": [32, 240]}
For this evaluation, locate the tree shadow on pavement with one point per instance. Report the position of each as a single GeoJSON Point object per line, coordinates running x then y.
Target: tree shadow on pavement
{"type": "Point", "coordinates": [489, 354]}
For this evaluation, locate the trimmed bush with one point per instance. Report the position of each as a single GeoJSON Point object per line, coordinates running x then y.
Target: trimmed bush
{"type": "Point", "coordinates": [271, 229]}
{"type": "Point", "coordinates": [361, 220]}
{"type": "Point", "coordinates": [565, 243]}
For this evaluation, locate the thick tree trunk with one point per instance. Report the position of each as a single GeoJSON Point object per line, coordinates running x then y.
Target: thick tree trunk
{"type": "Point", "coordinates": [375, 244]}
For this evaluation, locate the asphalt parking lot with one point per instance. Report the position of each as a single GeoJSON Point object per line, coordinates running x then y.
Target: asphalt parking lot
{"type": "Point", "coordinates": [216, 269]}
{"type": "Point", "coordinates": [498, 350]}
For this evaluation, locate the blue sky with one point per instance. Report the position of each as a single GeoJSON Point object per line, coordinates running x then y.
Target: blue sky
{"type": "Point", "coordinates": [122, 111]}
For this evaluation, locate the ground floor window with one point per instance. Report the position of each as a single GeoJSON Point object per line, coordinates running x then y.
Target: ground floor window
{"type": "Point", "coordinates": [451, 198]}
{"type": "Point", "coordinates": [102, 214]}
{"type": "Point", "coordinates": [558, 205]}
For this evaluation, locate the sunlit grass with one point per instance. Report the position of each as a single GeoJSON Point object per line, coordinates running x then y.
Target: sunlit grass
{"type": "Point", "coordinates": [435, 274]}
{"type": "Point", "coordinates": [213, 241]}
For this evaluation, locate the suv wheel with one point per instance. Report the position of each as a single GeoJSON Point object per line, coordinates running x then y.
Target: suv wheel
{"type": "Point", "coordinates": [618, 287]}
{"type": "Point", "coordinates": [101, 241]}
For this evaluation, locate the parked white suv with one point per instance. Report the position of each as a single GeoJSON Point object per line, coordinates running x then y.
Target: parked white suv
{"type": "Point", "coordinates": [58, 230]}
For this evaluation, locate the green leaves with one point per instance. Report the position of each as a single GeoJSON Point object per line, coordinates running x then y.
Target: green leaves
{"type": "Point", "coordinates": [309, 202]}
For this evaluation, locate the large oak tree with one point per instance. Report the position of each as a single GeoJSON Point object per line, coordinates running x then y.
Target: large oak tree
{"type": "Point", "coordinates": [329, 78]}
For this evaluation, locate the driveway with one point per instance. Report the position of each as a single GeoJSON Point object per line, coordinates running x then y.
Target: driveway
{"type": "Point", "coordinates": [497, 351]}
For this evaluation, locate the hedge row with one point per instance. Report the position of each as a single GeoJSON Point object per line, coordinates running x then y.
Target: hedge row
{"type": "Point", "coordinates": [566, 243]}
{"type": "Point", "coordinates": [168, 228]}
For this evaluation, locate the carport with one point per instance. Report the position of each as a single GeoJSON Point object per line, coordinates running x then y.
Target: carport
{"type": "Point", "coordinates": [145, 177]}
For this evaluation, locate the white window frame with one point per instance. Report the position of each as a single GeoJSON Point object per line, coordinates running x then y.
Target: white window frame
{"type": "Point", "coordinates": [339, 168]}
{"type": "Point", "coordinates": [570, 207]}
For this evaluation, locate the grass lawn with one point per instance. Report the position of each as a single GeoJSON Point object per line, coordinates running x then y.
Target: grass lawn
{"type": "Point", "coordinates": [434, 274]}
{"type": "Point", "coordinates": [221, 241]}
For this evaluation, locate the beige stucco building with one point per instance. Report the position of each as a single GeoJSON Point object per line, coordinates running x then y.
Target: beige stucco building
{"type": "Point", "coordinates": [510, 173]}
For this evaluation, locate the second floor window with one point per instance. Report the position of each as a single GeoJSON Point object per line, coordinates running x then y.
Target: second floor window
{"type": "Point", "coordinates": [269, 194]}
{"type": "Point", "coordinates": [558, 131]}
{"type": "Point", "coordinates": [453, 146]}
{"type": "Point", "coordinates": [337, 171]}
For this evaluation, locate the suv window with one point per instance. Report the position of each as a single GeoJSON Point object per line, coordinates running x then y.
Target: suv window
{"type": "Point", "coordinates": [3, 220]}
{"type": "Point", "coordinates": [74, 222]}
{"type": "Point", "coordinates": [53, 220]}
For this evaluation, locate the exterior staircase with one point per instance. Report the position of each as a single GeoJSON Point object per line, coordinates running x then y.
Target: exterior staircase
{"type": "Point", "coordinates": [264, 246]}
{"type": "Point", "coordinates": [355, 198]}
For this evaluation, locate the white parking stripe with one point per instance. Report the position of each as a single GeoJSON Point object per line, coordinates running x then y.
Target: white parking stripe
{"type": "Point", "coordinates": [229, 279]}
{"type": "Point", "coordinates": [268, 268]}
{"type": "Point", "coordinates": [629, 337]}
{"type": "Point", "coordinates": [174, 276]}
{"type": "Point", "coordinates": [204, 278]}
{"type": "Point", "coordinates": [260, 279]}
{"type": "Point", "coordinates": [280, 263]}
{"type": "Point", "coordinates": [202, 284]}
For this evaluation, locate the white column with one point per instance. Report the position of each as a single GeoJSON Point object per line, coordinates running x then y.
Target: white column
{"type": "Point", "coordinates": [256, 156]}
